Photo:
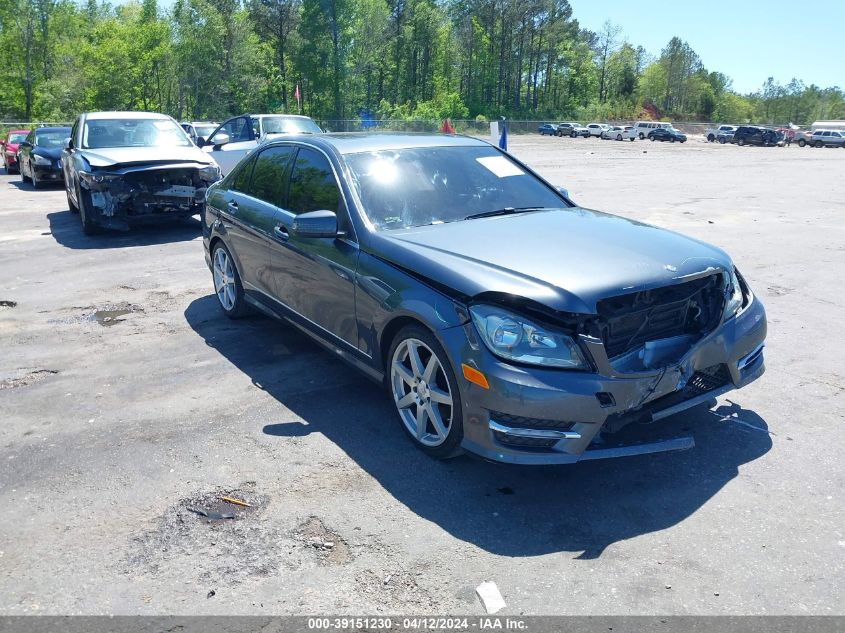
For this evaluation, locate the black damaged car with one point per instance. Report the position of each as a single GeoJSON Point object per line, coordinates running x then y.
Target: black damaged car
{"type": "Point", "coordinates": [125, 168]}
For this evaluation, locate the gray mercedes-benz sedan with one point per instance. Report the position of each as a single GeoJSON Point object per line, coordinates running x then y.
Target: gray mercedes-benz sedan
{"type": "Point", "coordinates": [501, 318]}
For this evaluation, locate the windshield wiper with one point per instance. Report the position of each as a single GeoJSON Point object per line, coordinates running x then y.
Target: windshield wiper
{"type": "Point", "coordinates": [505, 211]}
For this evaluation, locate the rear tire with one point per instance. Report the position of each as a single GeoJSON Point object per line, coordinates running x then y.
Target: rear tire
{"type": "Point", "coordinates": [741, 142]}
{"type": "Point", "coordinates": [23, 176]}
{"type": "Point", "coordinates": [227, 283]}
{"type": "Point", "coordinates": [418, 371]}
{"type": "Point", "coordinates": [802, 143]}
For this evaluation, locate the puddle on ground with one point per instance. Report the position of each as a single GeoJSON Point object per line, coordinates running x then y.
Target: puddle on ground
{"type": "Point", "coordinates": [107, 318]}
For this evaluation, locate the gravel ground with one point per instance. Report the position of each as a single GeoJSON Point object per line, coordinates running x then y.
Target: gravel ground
{"type": "Point", "coordinates": [130, 404]}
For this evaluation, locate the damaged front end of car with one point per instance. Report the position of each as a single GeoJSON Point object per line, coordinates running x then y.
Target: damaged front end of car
{"type": "Point", "coordinates": [581, 379]}
{"type": "Point", "coordinates": [116, 198]}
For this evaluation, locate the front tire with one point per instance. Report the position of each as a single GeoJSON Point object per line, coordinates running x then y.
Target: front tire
{"type": "Point", "coordinates": [227, 283]}
{"type": "Point", "coordinates": [741, 142]}
{"type": "Point", "coordinates": [802, 143]}
{"type": "Point", "coordinates": [33, 179]}
{"type": "Point", "coordinates": [424, 389]}
{"type": "Point", "coordinates": [23, 175]}
{"type": "Point", "coordinates": [88, 225]}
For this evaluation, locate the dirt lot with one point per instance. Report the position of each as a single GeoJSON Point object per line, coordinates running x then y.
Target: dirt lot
{"type": "Point", "coordinates": [129, 402]}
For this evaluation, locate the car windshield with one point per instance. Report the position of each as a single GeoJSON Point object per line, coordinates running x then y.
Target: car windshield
{"type": "Point", "coordinates": [204, 130]}
{"type": "Point", "coordinates": [133, 133]}
{"type": "Point", "coordinates": [51, 138]}
{"type": "Point", "coordinates": [17, 138]}
{"type": "Point", "coordinates": [431, 185]}
{"type": "Point", "coordinates": [286, 125]}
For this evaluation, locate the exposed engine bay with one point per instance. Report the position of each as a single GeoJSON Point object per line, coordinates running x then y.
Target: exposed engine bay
{"type": "Point", "coordinates": [117, 199]}
{"type": "Point", "coordinates": [650, 329]}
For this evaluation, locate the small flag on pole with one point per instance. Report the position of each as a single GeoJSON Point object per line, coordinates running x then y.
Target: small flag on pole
{"type": "Point", "coordinates": [297, 97]}
{"type": "Point", "coordinates": [503, 139]}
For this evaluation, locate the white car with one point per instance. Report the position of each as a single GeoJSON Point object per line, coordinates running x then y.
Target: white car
{"type": "Point", "coordinates": [618, 133]}
{"type": "Point", "coordinates": [238, 136]}
{"type": "Point", "coordinates": [596, 129]}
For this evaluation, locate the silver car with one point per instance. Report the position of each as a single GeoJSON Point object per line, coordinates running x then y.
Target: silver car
{"type": "Point", "coordinates": [238, 136]}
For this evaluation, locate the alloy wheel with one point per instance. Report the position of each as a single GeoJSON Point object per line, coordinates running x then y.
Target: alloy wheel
{"type": "Point", "coordinates": [224, 279]}
{"type": "Point", "coordinates": [422, 392]}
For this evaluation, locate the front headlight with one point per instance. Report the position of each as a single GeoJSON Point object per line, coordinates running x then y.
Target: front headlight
{"type": "Point", "coordinates": [210, 173]}
{"type": "Point", "coordinates": [733, 295]}
{"type": "Point", "coordinates": [95, 178]}
{"type": "Point", "coordinates": [40, 160]}
{"type": "Point", "coordinates": [513, 337]}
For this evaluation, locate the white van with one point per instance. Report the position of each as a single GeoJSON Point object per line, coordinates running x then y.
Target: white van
{"type": "Point", "coordinates": [642, 128]}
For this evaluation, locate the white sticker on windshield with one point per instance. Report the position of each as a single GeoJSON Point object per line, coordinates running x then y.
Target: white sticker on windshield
{"type": "Point", "coordinates": [500, 166]}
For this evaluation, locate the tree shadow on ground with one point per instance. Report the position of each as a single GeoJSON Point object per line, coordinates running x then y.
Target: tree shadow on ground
{"type": "Point", "coordinates": [503, 509]}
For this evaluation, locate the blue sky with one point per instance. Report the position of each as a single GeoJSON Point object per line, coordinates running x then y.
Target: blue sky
{"type": "Point", "coordinates": [748, 40]}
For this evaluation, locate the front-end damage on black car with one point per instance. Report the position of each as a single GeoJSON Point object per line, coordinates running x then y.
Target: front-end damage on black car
{"type": "Point", "coordinates": [120, 196]}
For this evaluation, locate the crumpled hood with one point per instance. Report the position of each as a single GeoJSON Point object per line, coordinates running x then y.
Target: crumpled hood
{"type": "Point", "coordinates": [567, 259]}
{"type": "Point", "coordinates": [124, 156]}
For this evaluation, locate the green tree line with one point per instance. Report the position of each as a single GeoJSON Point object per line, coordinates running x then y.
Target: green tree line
{"type": "Point", "coordinates": [405, 59]}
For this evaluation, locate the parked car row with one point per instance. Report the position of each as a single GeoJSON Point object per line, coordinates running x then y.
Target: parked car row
{"type": "Point", "coordinates": [125, 168]}
{"type": "Point", "coordinates": [387, 249]}
{"type": "Point", "coordinates": [640, 130]}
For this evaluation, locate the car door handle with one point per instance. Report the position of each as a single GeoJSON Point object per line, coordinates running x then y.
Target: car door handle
{"type": "Point", "coordinates": [233, 207]}
{"type": "Point", "coordinates": [281, 232]}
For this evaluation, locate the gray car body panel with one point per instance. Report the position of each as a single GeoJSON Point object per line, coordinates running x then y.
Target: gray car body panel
{"type": "Point", "coordinates": [571, 259]}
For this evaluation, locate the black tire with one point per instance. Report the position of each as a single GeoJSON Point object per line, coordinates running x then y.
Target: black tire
{"type": "Point", "coordinates": [451, 446]}
{"type": "Point", "coordinates": [239, 309]}
{"type": "Point", "coordinates": [23, 176]}
{"type": "Point", "coordinates": [642, 136]}
{"type": "Point", "coordinates": [618, 137]}
{"type": "Point", "coordinates": [651, 138]}
{"type": "Point", "coordinates": [722, 141]}
{"type": "Point", "coordinates": [673, 139]}
{"type": "Point", "coordinates": [88, 225]}
{"type": "Point", "coordinates": [573, 135]}
{"type": "Point", "coordinates": [33, 179]}
{"type": "Point", "coordinates": [801, 142]}
{"type": "Point", "coordinates": [741, 142]}
{"type": "Point", "coordinates": [71, 207]}
{"type": "Point", "coordinates": [710, 138]}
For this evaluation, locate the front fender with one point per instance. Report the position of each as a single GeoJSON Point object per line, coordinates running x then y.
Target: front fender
{"type": "Point", "coordinates": [386, 297]}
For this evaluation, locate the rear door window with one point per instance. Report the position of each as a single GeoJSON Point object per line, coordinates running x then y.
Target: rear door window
{"type": "Point", "coordinates": [269, 175]}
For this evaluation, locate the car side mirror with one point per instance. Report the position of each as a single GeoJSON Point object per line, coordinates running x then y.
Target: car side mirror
{"type": "Point", "coordinates": [564, 192]}
{"type": "Point", "coordinates": [315, 224]}
{"type": "Point", "coordinates": [68, 143]}
{"type": "Point", "coordinates": [219, 139]}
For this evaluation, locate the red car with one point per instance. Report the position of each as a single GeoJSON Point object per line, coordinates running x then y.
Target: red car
{"type": "Point", "coordinates": [9, 149]}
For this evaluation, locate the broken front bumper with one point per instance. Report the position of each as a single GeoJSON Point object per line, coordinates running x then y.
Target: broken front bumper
{"type": "Point", "coordinates": [531, 415]}
{"type": "Point", "coordinates": [119, 198]}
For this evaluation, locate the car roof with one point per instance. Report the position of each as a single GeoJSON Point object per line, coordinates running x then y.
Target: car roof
{"type": "Point", "coordinates": [125, 115]}
{"type": "Point", "coordinates": [357, 142]}
{"type": "Point", "coordinates": [49, 128]}
{"type": "Point", "coordinates": [19, 131]}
